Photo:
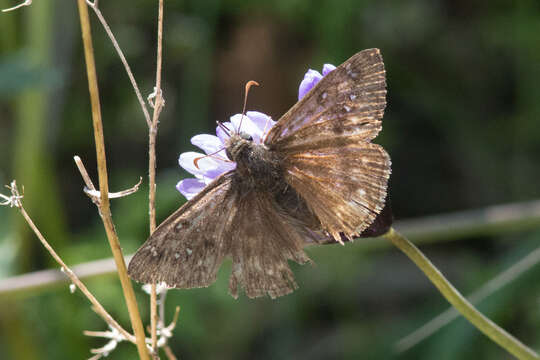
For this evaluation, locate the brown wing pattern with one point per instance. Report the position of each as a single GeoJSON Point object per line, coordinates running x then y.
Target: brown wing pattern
{"type": "Point", "coordinates": [345, 187]}
{"type": "Point", "coordinates": [324, 142]}
{"type": "Point", "coordinates": [349, 101]}
{"type": "Point", "coordinates": [263, 240]}
{"type": "Point", "coordinates": [187, 249]}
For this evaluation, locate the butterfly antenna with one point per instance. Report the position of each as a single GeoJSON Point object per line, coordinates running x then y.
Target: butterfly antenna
{"type": "Point", "coordinates": [249, 84]}
{"type": "Point", "coordinates": [224, 128]}
{"type": "Point", "coordinates": [196, 160]}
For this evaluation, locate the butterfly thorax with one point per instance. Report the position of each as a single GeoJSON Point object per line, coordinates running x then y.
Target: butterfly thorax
{"type": "Point", "coordinates": [257, 167]}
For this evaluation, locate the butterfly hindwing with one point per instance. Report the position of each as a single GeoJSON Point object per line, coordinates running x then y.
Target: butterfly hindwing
{"type": "Point", "coordinates": [263, 239]}
{"type": "Point", "coordinates": [187, 249]}
{"type": "Point", "coordinates": [345, 187]}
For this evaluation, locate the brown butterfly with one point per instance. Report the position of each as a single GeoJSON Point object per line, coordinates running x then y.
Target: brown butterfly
{"type": "Point", "coordinates": [315, 179]}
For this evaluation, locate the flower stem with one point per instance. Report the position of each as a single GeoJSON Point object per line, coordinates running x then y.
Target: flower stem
{"type": "Point", "coordinates": [104, 206]}
{"type": "Point", "coordinates": [482, 323]}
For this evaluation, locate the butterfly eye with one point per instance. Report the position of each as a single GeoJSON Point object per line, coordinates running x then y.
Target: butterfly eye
{"type": "Point", "coordinates": [246, 136]}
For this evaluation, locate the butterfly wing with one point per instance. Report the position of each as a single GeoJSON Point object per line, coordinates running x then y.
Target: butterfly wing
{"type": "Point", "coordinates": [264, 240]}
{"type": "Point", "coordinates": [187, 249]}
{"type": "Point", "coordinates": [324, 141]}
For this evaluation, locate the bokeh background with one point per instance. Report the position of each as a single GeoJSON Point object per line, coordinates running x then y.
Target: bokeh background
{"type": "Point", "coordinates": [461, 126]}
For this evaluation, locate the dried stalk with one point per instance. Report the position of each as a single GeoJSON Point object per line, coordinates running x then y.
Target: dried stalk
{"type": "Point", "coordinates": [152, 133]}
{"type": "Point", "coordinates": [94, 6]}
{"type": "Point", "coordinates": [15, 201]}
{"type": "Point", "coordinates": [104, 206]}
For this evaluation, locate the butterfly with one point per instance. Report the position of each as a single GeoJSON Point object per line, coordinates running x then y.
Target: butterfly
{"type": "Point", "coordinates": [315, 179]}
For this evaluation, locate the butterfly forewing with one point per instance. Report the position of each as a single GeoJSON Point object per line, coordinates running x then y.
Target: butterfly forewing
{"type": "Point", "coordinates": [354, 93]}
{"type": "Point", "coordinates": [324, 142]}
{"type": "Point", "coordinates": [187, 249]}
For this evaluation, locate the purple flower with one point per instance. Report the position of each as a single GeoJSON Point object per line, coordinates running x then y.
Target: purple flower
{"type": "Point", "coordinates": [208, 168]}
{"type": "Point", "coordinates": [311, 78]}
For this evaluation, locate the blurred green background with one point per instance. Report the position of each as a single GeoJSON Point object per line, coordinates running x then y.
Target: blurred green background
{"type": "Point", "coordinates": [461, 127]}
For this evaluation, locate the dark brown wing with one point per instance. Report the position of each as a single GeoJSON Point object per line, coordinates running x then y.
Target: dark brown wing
{"type": "Point", "coordinates": [324, 141]}
{"type": "Point", "coordinates": [187, 249]}
{"type": "Point", "coordinates": [263, 240]}
{"type": "Point", "coordinates": [349, 101]}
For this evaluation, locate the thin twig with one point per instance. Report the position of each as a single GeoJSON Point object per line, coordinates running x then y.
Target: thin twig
{"type": "Point", "coordinates": [169, 353]}
{"type": "Point", "coordinates": [94, 6]}
{"type": "Point", "coordinates": [25, 3]}
{"type": "Point", "coordinates": [95, 194]}
{"type": "Point", "coordinates": [153, 317]}
{"type": "Point", "coordinates": [114, 339]}
{"type": "Point", "coordinates": [482, 323]}
{"type": "Point", "coordinates": [152, 133]}
{"type": "Point", "coordinates": [493, 219]}
{"type": "Point", "coordinates": [104, 206]}
{"type": "Point", "coordinates": [84, 173]}
{"type": "Point", "coordinates": [98, 308]}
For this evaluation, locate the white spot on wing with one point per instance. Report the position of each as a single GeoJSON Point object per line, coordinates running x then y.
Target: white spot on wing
{"type": "Point", "coordinates": [176, 255]}
{"type": "Point", "coordinates": [347, 108]}
{"type": "Point", "coordinates": [189, 251]}
{"type": "Point", "coordinates": [352, 97]}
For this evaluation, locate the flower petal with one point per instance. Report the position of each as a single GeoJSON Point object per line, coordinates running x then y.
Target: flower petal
{"type": "Point", "coordinates": [208, 166]}
{"type": "Point", "coordinates": [221, 134]}
{"type": "Point", "coordinates": [262, 121]}
{"type": "Point", "coordinates": [213, 167]}
{"type": "Point", "coordinates": [245, 124]}
{"type": "Point", "coordinates": [190, 187]}
{"type": "Point", "coordinates": [209, 143]}
{"type": "Point", "coordinates": [327, 68]}
{"type": "Point", "coordinates": [186, 160]}
{"type": "Point", "coordinates": [311, 78]}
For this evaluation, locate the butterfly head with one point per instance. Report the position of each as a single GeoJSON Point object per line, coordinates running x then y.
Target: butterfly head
{"type": "Point", "coordinates": [237, 143]}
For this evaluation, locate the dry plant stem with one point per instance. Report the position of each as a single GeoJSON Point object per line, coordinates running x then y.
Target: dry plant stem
{"type": "Point", "coordinates": [169, 353]}
{"type": "Point", "coordinates": [482, 323]}
{"type": "Point", "coordinates": [98, 308]}
{"type": "Point", "coordinates": [153, 317]}
{"type": "Point", "coordinates": [94, 194]}
{"type": "Point", "coordinates": [104, 206]}
{"type": "Point", "coordinates": [152, 133]}
{"type": "Point", "coordinates": [84, 173]}
{"type": "Point", "coordinates": [94, 6]}
{"type": "Point", "coordinates": [25, 3]}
